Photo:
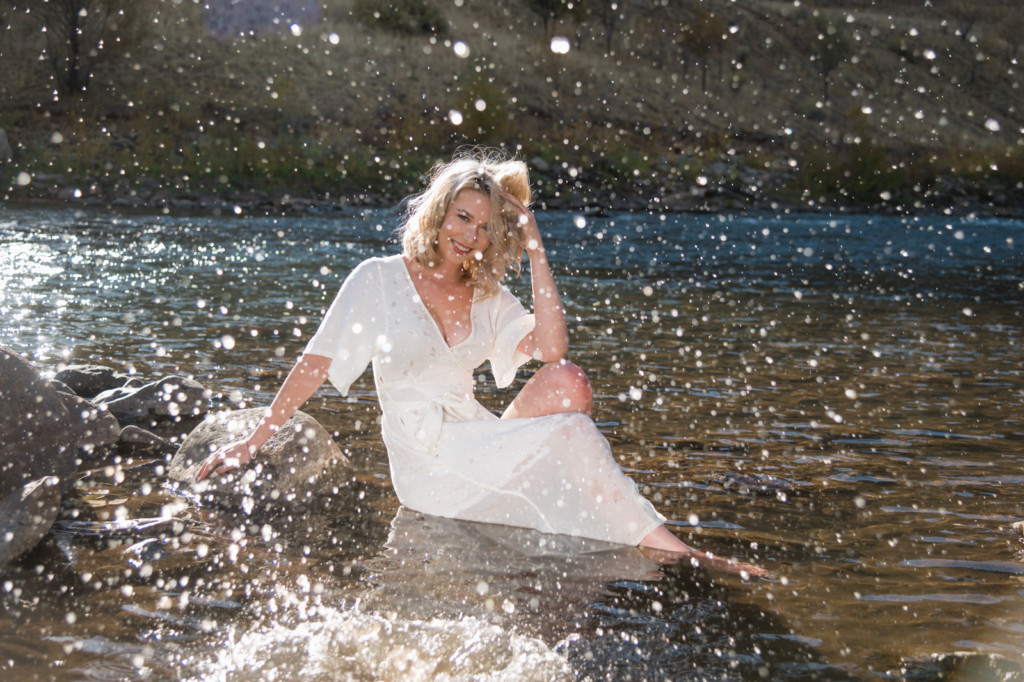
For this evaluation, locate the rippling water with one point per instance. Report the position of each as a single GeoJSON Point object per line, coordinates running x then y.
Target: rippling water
{"type": "Point", "coordinates": [837, 398]}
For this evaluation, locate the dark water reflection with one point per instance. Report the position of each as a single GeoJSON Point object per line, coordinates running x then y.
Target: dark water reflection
{"type": "Point", "coordinates": [837, 398]}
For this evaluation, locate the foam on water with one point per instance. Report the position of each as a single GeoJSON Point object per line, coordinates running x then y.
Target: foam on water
{"type": "Point", "coordinates": [347, 644]}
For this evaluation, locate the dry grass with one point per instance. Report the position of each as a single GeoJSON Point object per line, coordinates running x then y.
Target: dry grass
{"type": "Point", "coordinates": [326, 102]}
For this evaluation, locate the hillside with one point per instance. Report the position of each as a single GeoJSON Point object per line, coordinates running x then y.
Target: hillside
{"type": "Point", "coordinates": [684, 105]}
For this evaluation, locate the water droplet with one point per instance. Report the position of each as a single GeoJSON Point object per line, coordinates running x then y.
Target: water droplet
{"type": "Point", "coordinates": [56, 138]}
{"type": "Point", "coordinates": [460, 49]}
{"type": "Point", "coordinates": [579, 221]}
{"type": "Point", "coordinates": [455, 116]}
{"type": "Point", "coordinates": [24, 179]}
{"type": "Point", "coordinates": [480, 105]}
{"type": "Point", "coordinates": [560, 45]}
{"type": "Point", "coordinates": [993, 125]}
{"type": "Point", "coordinates": [227, 341]}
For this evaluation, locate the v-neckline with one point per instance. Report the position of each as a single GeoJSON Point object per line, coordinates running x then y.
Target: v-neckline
{"type": "Point", "coordinates": [430, 315]}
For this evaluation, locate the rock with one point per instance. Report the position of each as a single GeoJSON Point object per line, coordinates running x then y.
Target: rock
{"type": "Point", "coordinates": [90, 380]}
{"type": "Point", "coordinates": [133, 439]}
{"type": "Point", "coordinates": [6, 153]}
{"type": "Point", "coordinates": [37, 435]}
{"type": "Point", "coordinates": [97, 430]}
{"type": "Point", "coordinates": [26, 515]}
{"type": "Point", "coordinates": [170, 397]}
{"type": "Point", "coordinates": [297, 464]}
{"type": "Point", "coordinates": [960, 665]}
{"type": "Point", "coordinates": [754, 484]}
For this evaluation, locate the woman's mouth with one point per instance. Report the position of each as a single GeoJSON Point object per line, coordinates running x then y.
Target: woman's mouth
{"type": "Point", "coordinates": [459, 249]}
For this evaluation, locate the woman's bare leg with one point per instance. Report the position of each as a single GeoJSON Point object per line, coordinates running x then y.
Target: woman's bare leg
{"type": "Point", "coordinates": [563, 387]}
{"type": "Point", "coordinates": [555, 388]}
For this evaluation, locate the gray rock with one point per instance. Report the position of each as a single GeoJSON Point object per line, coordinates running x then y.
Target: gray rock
{"type": "Point", "coordinates": [6, 153]}
{"type": "Point", "coordinates": [170, 397]}
{"type": "Point", "coordinates": [134, 439]}
{"type": "Point", "coordinates": [90, 380]}
{"type": "Point", "coordinates": [959, 665]}
{"type": "Point", "coordinates": [297, 464]}
{"type": "Point", "coordinates": [37, 436]}
{"type": "Point", "coordinates": [97, 430]}
{"type": "Point", "coordinates": [26, 515]}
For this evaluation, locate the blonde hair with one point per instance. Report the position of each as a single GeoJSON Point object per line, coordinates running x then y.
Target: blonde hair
{"type": "Point", "coordinates": [490, 172]}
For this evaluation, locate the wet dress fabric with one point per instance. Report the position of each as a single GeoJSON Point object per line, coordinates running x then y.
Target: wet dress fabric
{"type": "Point", "coordinates": [449, 455]}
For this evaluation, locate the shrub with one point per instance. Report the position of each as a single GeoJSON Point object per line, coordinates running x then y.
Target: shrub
{"type": "Point", "coordinates": [403, 16]}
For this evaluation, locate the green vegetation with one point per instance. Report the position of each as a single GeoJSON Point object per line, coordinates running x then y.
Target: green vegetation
{"type": "Point", "coordinates": [692, 105]}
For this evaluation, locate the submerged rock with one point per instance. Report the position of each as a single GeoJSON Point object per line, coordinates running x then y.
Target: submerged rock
{"type": "Point", "coordinates": [961, 665]}
{"type": "Point", "coordinates": [299, 462]}
{"type": "Point", "coordinates": [90, 380]}
{"type": "Point", "coordinates": [170, 397]}
{"type": "Point", "coordinates": [134, 439]}
{"type": "Point", "coordinates": [26, 515]}
{"type": "Point", "coordinates": [38, 437]}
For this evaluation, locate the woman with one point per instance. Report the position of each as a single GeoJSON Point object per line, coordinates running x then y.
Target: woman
{"type": "Point", "coordinates": [426, 319]}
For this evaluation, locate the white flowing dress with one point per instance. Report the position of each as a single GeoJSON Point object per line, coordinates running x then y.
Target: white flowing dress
{"type": "Point", "coordinates": [449, 455]}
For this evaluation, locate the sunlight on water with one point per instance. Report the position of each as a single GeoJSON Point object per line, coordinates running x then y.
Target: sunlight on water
{"type": "Point", "coordinates": [837, 398]}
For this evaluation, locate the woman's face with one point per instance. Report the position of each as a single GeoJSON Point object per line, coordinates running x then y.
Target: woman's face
{"type": "Point", "coordinates": [463, 235]}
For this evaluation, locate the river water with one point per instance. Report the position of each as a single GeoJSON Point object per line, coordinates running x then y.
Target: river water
{"type": "Point", "coordinates": [838, 398]}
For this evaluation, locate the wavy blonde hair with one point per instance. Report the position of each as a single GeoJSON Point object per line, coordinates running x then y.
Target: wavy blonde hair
{"type": "Point", "coordinates": [490, 172]}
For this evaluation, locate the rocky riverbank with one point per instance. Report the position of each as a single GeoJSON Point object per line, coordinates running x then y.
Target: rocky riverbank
{"type": "Point", "coordinates": [55, 431]}
{"type": "Point", "coordinates": [723, 187]}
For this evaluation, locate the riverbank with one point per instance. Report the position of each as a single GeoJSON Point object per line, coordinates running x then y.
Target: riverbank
{"type": "Point", "coordinates": [735, 189]}
{"type": "Point", "coordinates": [904, 110]}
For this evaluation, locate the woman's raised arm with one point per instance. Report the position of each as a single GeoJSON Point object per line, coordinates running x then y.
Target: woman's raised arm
{"type": "Point", "coordinates": [549, 340]}
{"type": "Point", "coordinates": [302, 382]}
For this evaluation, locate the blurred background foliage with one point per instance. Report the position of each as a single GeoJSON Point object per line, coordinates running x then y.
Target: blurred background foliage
{"type": "Point", "coordinates": [822, 102]}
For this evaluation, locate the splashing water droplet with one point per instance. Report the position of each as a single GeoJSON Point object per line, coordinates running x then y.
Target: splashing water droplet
{"type": "Point", "coordinates": [480, 105]}
{"type": "Point", "coordinates": [460, 49]}
{"type": "Point", "coordinates": [560, 45]}
{"type": "Point", "coordinates": [455, 116]}
{"type": "Point", "coordinates": [993, 125]}
{"type": "Point", "coordinates": [24, 179]}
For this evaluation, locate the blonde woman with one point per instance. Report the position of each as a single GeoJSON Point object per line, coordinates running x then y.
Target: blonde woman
{"type": "Point", "coordinates": [426, 319]}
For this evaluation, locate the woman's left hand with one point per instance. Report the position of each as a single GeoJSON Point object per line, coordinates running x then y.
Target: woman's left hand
{"type": "Point", "coordinates": [527, 223]}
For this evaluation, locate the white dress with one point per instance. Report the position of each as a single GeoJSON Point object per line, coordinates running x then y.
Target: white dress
{"type": "Point", "coordinates": [449, 455]}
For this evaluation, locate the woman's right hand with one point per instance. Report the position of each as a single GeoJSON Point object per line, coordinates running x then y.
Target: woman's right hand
{"type": "Point", "coordinates": [225, 459]}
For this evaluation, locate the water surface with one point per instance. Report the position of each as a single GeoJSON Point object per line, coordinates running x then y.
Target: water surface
{"type": "Point", "coordinates": [837, 398]}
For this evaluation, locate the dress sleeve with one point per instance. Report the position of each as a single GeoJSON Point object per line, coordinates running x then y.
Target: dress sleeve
{"type": "Point", "coordinates": [511, 325]}
{"type": "Point", "coordinates": [353, 328]}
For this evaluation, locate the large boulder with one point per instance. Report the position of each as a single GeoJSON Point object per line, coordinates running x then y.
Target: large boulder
{"type": "Point", "coordinates": [297, 464]}
{"type": "Point", "coordinates": [37, 435]}
{"type": "Point", "coordinates": [91, 380]}
{"type": "Point", "coordinates": [167, 398]}
{"type": "Point", "coordinates": [26, 515]}
{"type": "Point", "coordinates": [38, 453]}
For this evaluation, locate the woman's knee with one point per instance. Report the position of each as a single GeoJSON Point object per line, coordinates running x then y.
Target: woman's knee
{"type": "Point", "coordinates": [571, 383]}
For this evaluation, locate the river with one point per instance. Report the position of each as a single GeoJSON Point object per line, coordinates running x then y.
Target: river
{"type": "Point", "coordinates": [838, 398]}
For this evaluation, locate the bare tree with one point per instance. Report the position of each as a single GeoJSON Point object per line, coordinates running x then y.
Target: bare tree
{"type": "Point", "coordinates": [830, 49]}
{"type": "Point", "coordinates": [702, 34]}
{"type": "Point", "coordinates": [83, 33]}
{"type": "Point", "coordinates": [553, 10]}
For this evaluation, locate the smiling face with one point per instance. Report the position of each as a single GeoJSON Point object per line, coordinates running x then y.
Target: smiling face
{"type": "Point", "coordinates": [463, 235]}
